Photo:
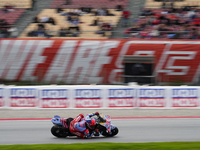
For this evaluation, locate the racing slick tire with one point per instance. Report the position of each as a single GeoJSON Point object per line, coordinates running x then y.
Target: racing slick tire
{"type": "Point", "coordinates": [58, 132]}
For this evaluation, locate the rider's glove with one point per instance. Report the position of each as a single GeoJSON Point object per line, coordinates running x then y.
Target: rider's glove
{"type": "Point", "coordinates": [89, 137]}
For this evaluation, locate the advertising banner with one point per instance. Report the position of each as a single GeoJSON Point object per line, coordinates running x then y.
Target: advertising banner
{"type": "Point", "coordinates": [54, 97]}
{"type": "Point", "coordinates": [184, 97]}
{"type": "Point", "coordinates": [121, 97]}
{"type": "Point", "coordinates": [2, 95]}
{"type": "Point", "coordinates": [23, 96]}
{"type": "Point", "coordinates": [88, 97]}
{"type": "Point", "coordinates": [95, 61]}
{"type": "Point", "coordinates": [152, 97]}
{"type": "Point", "coordinates": [100, 96]}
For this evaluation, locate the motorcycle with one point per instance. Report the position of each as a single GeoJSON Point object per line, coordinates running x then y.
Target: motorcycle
{"type": "Point", "coordinates": [103, 126]}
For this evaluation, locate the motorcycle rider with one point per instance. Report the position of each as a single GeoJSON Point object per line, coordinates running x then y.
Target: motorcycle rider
{"type": "Point", "coordinates": [83, 127]}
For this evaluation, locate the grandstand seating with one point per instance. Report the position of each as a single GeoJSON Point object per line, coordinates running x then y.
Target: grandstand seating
{"type": "Point", "coordinates": [179, 22]}
{"type": "Point", "coordinates": [93, 3]}
{"type": "Point", "coordinates": [155, 4]}
{"type": "Point", "coordinates": [19, 7]}
{"type": "Point", "coordinates": [16, 3]}
{"type": "Point", "coordinates": [12, 16]}
{"type": "Point", "coordinates": [87, 31]}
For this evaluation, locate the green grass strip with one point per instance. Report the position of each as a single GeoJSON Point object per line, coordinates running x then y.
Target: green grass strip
{"type": "Point", "coordinates": [108, 146]}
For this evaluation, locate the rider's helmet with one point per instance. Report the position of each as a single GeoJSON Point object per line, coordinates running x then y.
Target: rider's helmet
{"type": "Point", "coordinates": [91, 123]}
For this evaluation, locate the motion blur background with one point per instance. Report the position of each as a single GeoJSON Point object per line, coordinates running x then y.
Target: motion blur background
{"type": "Point", "coordinates": [114, 21]}
{"type": "Point", "coordinates": [88, 40]}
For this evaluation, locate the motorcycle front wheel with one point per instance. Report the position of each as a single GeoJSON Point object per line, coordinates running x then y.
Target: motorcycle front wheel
{"type": "Point", "coordinates": [114, 132]}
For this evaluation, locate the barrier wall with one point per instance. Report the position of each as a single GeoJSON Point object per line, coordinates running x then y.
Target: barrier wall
{"type": "Point", "coordinates": [99, 96]}
{"type": "Point", "coordinates": [95, 61]}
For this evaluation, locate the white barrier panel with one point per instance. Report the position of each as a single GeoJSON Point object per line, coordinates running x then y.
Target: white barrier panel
{"type": "Point", "coordinates": [99, 96]}
{"type": "Point", "coordinates": [184, 97]}
{"type": "Point", "coordinates": [54, 97]}
{"type": "Point", "coordinates": [25, 96]}
{"type": "Point", "coordinates": [2, 96]}
{"type": "Point", "coordinates": [149, 96]}
{"type": "Point", "coordinates": [88, 96]}
{"type": "Point", "coordinates": [120, 96]}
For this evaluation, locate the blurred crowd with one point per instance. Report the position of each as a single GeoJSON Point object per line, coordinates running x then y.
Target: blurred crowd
{"type": "Point", "coordinates": [6, 29]}
{"type": "Point", "coordinates": [171, 23]}
{"type": "Point", "coordinates": [73, 21]}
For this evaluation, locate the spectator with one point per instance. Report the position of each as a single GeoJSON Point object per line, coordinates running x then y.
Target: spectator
{"type": "Point", "coordinates": [127, 33]}
{"type": "Point", "coordinates": [44, 19]}
{"type": "Point", "coordinates": [104, 27]}
{"type": "Point", "coordinates": [3, 23]}
{"type": "Point", "coordinates": [69, 18]}
{"type": "Point", "coordinates": [41, 32]}
{"type": "Point", "coordinates": [67, 2]}
{"type": "Point", "coordinates": [107, 12]}
{"type": "Point", "coordinates": [7, 8]}
{"type": "Point", "coordinates": [4, 26]}
{"type": "Point", "coordinates": [52, 21]}
{"type": "Point", "coordinates": [172, 4]}
{"type": "Point", "coordinates": [146, 12]}
{"type": "Point", "coordinates": [87, 9]}
{"type": "Point", "coordinates": [35, 20]}
{"type": "Point", "coordinates": [126, 16]}
{"type": "Point", "coordinates": [13, 32]}
{"type": "Point", "coordinates": [74, 30]}
{"type": "Point", "coordinates": [41, 26]}
{"type": "Point", "coordinates": [59, 10]}
{"type": "Point", "coordinates": [190, 14]}
{"type": "Point", "coordinates": [119, 7]}
{"type": "Point", "coordinates": [64, 32]}
{"type": "Point", "coordinates": [196, 21]}
{"type": "Point", "coordinates": [101, 12]}
{"type": "Point", "coordinates": [4, 33]}
{"type": "Point", "coordinates": [75, 20]}
{"type": "Point", "coordinates": [38, 32]}
{"type": "Point", "coordinates": [163, 5]}
{"type": "Point", "coordinates": [111, 23]}
{"type": "Point", "coordinates": [96, 22]}
{"type": "Point", "coordinates": [169, 23]}
{"type": "Point", "coordinates": [154, 33]}
{"type": "Point", "coordinates": [78, 12]}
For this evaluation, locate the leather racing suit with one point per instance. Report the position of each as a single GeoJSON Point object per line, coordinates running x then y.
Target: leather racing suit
{"type": "Point", "coordinates": [79, 127]}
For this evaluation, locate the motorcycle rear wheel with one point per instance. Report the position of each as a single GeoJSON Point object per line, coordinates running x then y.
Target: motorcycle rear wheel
{"type": "Point", "coordinates": [58, 132]}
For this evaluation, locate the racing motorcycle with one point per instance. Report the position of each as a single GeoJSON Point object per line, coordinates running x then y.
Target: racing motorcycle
{"type": "Point", "coordinates": [103, 124]}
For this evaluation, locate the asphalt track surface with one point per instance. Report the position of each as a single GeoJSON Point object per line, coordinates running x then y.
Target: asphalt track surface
{"type": "Point", "coordinates": [49, 113]}
{"type": "Point", "coordinates": [130, 130]}
{"type": "Point", "coordinates": [154, 125]}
